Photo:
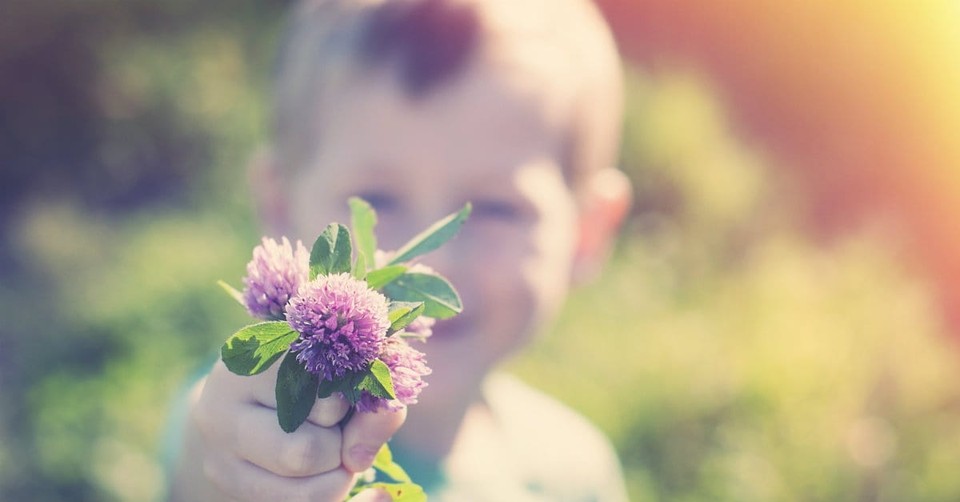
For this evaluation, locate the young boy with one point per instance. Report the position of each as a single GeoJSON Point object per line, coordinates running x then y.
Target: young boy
{"type": "Point", "coordinates": [419, 106]}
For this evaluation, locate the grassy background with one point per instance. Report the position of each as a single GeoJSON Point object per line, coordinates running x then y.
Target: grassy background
{"type": "Point", "coordinates": [730, 355]}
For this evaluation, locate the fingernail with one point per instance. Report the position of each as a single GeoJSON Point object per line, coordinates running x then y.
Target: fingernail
{"type": "Point", "coordinates": [363, 455]}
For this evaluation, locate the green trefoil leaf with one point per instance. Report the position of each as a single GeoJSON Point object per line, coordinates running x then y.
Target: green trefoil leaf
{"type": "Point", "coordinates": [401, 314]}
{"type": "Point", "coordinates": [296, 393]}
{"type": "Point", "coordinates": [331, 252]}
{"type": "Point", "coordinates": [327, 388]}
{"type": "Point", "coordinates": [433, 237]}
{"type": "Point", "coordinates": [401, 492]}
{"type": "Point", "coordinates": [360, 268]}
{"type": "Point", "coordinates": [384, 463]}
{"type": "Point", "coordinates": [380, 277]}
{"type": "Point", "coordinates": [363, 219]}
{"type": "Point", "coordinates": [376, 380]}
{"type": "Point", "coordinates": [440, 300]}
{"type": "Point", "coordinates": [256, 347]}
{"type": "Point", "coordinates": [349, 386]}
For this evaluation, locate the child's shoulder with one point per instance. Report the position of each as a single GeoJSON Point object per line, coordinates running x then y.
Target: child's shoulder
{"type": "Point", "coordinates": [559, 448]}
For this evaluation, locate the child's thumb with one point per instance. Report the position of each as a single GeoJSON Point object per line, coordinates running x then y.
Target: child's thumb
{"type": "Point", "coordinates": [365, 433]}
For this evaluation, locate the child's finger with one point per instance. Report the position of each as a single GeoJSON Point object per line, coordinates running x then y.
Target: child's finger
{"type": "Point", "coordinates": [243, 481]}
{"type": "Point", "coordinates": [326, 412]}
{"type": "Point", "coordinates": [308, 451]}
{"type": "Point", "coordinates": [329, 411]}
{"type": "Point", "coordinates": [365, 433]}
{"type": "Point", "coordinates": [232, 394]}
{"type": "Point", "coordinates": [260, 389]}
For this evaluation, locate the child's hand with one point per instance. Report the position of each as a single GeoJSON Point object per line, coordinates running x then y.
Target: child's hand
{"type": "Point", "coordinates": [236, 450]}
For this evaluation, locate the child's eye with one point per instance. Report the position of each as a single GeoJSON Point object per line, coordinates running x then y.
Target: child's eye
{"type": "Point", "coordinates": [496, 210]}
{"type": "Point", "coordinates": [381, 201]}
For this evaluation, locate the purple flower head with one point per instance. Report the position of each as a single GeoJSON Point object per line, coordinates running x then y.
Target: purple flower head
{"type": "Point", "coordinates": [342, 325]}
{"type": "Point", "coordinates": [274, 275]}
{"type": "Point", "coordinates": [407, 369]}
{"type": "Point", "coordinates": [421, 328]}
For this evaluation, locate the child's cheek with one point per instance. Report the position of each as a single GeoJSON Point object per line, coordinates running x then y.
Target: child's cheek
{"type": "Point", "coordinates": [518, 289]}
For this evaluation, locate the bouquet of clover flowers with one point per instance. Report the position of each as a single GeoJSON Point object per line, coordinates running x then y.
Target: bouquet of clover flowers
{"type": "Point", "coordinates": [340, 320]}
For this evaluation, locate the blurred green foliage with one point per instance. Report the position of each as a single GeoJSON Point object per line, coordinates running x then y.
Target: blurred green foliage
{"type": "Point", "coordinates": [729, 357]}
{"type": "Point", "coordinates": [123, 202]}
{"type": "Point", "coordinates": [760, 366]}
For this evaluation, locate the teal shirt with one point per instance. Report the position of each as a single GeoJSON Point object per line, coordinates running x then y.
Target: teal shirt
{"type": "Point", "coordinates": [537, 450]}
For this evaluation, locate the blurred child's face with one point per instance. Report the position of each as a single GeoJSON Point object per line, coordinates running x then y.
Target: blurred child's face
{"type": "Point", "coordinates": [487, 138]}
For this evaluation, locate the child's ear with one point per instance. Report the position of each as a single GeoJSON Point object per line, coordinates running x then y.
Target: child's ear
{"type": "Point", "coordinates": [604, 202]}
{"type": "Point", "coordinates": [266, 185]}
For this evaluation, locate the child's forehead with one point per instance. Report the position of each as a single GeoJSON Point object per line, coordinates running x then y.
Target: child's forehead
{"type": "Point", "coordinates": [531, 85]}
{"type": "Point", "coordinates": [486, 116]}
{"type": "Point", "coordinates": [476, 133]}
{"type": "Point", "coordinates": [499, 104]}
{"type": "Point", "coordinates": [479, 133]}
{"type": "Point", "coordinates": [517, 50]}
{"type": "Point", "coordinates": [539, 57]}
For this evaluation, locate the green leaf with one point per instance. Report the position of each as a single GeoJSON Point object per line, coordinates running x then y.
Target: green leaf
{"type": "Point", "coordinates": [331, 251]}
{"type": "Point", "coordinates": [384, 463]}
{"type": "Point", "coordinates": [363, 219]}
{"type": "Point", "coordinates": [350, 386]}
{"type": "Point", "coordinates": [433, 237]}
{"type": "Point", "coordinates": [401, 488]}
{"type": "Point", "coordinates": [440, 300]}
{"type": "Point", "coordinates": [327, 388]}
{"type": "Point", "coordinates": [257, 346]}
{"type": "Point", "coordinates": [402, 314]}
{"type": "Point", "coordinates": [296, 393]}
{"type": "Point", "coordinates": [360, 268]}
{"type": "Point", "coordinates": [236, 295]}
{"type": "Point", "coordinates": [380, 277]}
{"type": "Point", "coordinates": [401, 492]}
{"type": "Point", "coordinates": [377, 381]}
{"type": "Point", "coordinates": [374, 380]}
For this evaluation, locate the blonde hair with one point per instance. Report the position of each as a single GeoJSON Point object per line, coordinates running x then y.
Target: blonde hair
{"type": "Point", "coordinates": [427, 43]}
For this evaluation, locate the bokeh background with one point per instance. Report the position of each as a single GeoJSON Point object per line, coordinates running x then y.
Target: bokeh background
{"type": "Point", "coordinates": [779, 322]}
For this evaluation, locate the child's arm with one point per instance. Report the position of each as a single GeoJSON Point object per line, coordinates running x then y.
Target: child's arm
{"type": "Point", "coordinates": [234, 449]}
